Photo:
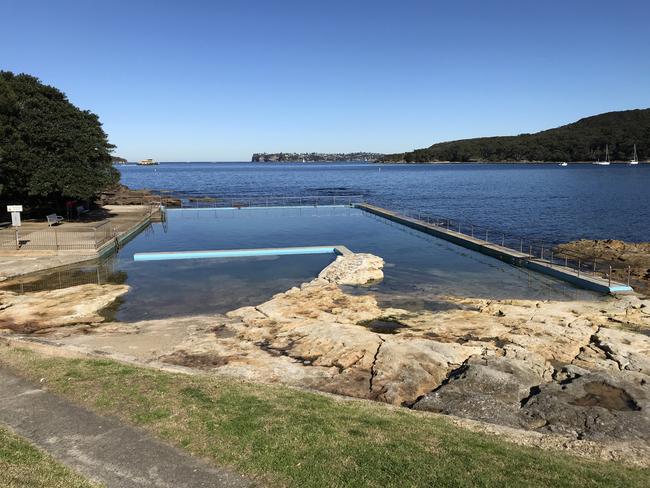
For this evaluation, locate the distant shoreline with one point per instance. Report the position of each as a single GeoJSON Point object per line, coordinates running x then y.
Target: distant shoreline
{"type": "Point", "coordinates": [385, 162]}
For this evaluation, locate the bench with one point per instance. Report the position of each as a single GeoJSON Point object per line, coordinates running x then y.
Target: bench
{"type": "Point", "coordinates": [53, 219]}
{"type": "Point", "coordinates": [4, 224]}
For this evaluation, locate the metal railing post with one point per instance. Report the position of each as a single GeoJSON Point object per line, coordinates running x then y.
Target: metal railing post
{"type": "Point", "coordinates": [610, 276]}
{"type": "Point", "coordinates": [503, 241]}
{"type": "Point", "coordinates": [579, 268]}
{"type": "Point", "coordinates": [17, 239]}
{"type": "Point", "coordinates": [629, 273]}
{"type": "Point", "coordinates": [486, 236]}
{"type": "Point", "coordinates": [56, 239]}
{"type": "Point", "coordinates": [521, 245]}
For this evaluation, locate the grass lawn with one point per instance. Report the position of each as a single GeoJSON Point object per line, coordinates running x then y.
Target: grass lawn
{"type": "Point", "coordinates": [22, 466]}
{"type": "Point", "coordinates": [293, 438]}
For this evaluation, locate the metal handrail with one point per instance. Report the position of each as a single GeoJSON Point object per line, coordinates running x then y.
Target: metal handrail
{"type": "Point", "coordinates": [273, 201]}
{"type": "Point", "coordinates": [533, 249]}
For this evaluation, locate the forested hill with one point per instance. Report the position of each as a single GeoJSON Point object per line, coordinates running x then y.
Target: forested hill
{"type": "Point", "coordinates": [583, 140]}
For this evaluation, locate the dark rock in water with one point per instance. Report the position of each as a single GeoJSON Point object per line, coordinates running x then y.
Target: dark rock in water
{"type": "Point", "coordinates": [601, 394]}
{"type": "Point", "coordinates": [202, 199]}
{"type": "Point", "coordinates": [384, 326]}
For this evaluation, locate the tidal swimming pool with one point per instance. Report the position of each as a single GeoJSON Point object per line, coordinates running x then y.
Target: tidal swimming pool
{"type": "Point", "coordinates": [420, 269]}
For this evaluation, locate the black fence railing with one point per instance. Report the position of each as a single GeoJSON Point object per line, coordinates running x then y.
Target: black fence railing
{"type": "Point", "coordinates": [533, 249]}
{"type": "Point", "coordinates": [69, 238]}
{"type": "Point", "coordinates": [271, 201]}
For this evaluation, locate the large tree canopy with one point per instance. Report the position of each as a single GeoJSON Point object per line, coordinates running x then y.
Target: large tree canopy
{"type": "Point", "coordinates": [50, 150]}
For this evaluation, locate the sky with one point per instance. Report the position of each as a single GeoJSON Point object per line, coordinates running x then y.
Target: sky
{"type": "Point", "coordinates": [218, 80]}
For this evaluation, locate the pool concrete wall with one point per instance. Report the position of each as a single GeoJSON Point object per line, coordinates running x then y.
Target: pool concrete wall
{"type": "Point", "coordinates": [505, 254]}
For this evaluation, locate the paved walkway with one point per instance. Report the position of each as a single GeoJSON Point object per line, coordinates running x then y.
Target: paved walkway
{"type": "Point", "coordinates": [102, 449]}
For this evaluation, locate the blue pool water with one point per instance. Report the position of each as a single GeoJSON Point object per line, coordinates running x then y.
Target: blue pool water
{"type": "Point", "coordinates": [420, 270]}
{"type": "Point", "coordinates": [542, 201]}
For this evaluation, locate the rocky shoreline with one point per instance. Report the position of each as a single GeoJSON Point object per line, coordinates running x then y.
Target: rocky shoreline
{"type": "Point", "coordinates": [123, 195]}
{"type": "Point", "coordinates": [620, 255]}
{"type": "Point", "coordinates": [576, 369]}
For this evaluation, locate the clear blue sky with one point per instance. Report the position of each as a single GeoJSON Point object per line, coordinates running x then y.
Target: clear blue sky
{"type": "Point", "coordinates": [218, 80]}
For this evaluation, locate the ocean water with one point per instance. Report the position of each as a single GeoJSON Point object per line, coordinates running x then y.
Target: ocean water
{"type": "Point", "coordinates": [541, 201]}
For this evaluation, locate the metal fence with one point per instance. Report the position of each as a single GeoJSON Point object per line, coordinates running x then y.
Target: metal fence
{"type": "Point", "coordinates": [272, 201]}
{"type": "Point", "coordinates": [532, 249]}
{"type": "Point", "coordinates": [75, 237]}
{"type": "Point", "coordinates": [57, 238]}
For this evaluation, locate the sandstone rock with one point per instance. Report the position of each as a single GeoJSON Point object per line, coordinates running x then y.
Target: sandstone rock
{"type": "Point", "coordinates": [354, 269]}
{"type": "Point", "coordinates": [31, 312]}
{"type": "Point", "coordinates": [405, 369]}
{"type": "Point", "coordinates": [630, 351]}
{"type": "Point", "coordinates": [514, 362]}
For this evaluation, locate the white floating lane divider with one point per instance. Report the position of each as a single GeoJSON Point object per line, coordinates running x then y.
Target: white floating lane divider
{"type": "Point", "coordinates": [240, 253]}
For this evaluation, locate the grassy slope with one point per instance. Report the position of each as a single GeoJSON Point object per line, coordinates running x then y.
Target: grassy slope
{"type": "Point", "coordinates": [22, 465]}
{"type": "Point", "coordinates": [296, 438]}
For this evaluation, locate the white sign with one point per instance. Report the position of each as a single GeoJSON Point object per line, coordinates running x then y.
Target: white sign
{"type": "Point", "coordinates": [15, 219]}
{"type": "Point", "coordinates": [14, 208]}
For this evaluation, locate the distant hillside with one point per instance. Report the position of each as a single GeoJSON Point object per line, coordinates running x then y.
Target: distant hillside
{"type": "Point", "coordinates": [583, 140]}
{"type": "Point", "coordinates": [314, 157]}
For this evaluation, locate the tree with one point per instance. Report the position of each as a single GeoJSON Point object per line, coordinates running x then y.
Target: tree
{"type": "Point", "coordinates": [50, 150]}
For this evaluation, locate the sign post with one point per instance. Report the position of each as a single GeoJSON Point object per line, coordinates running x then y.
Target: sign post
{"type": "Point", "coordinates": [15, 214]}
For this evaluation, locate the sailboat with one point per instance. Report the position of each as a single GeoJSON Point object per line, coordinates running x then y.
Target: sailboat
{"type": "Point", "coordinates": [606, 162]}
{"type": "Point", "coordinates": [635, 159]}
{"type": "Point", "coordinates": [563, 164]}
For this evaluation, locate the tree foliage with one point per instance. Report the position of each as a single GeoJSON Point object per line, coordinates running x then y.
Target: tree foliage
{"type": "Point", "coordinates": [584, 140]}
{"type": "Point", "coordinates": [50, 150]}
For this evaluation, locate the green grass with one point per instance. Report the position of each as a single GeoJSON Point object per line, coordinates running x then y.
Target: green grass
{"type": "Point", "coordinates": [288, 437]}
{"type": "Point", "coordinates": [22, 466]}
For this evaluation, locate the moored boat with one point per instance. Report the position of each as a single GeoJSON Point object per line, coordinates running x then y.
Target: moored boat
{"type": "Point", "coordinates": [635, 158]}
{"type": "Point", "coordinates": [606, 162]}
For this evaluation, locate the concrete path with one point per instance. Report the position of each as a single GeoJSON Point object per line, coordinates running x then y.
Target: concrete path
{"type": "Point", "coordinates": [102, 449]}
